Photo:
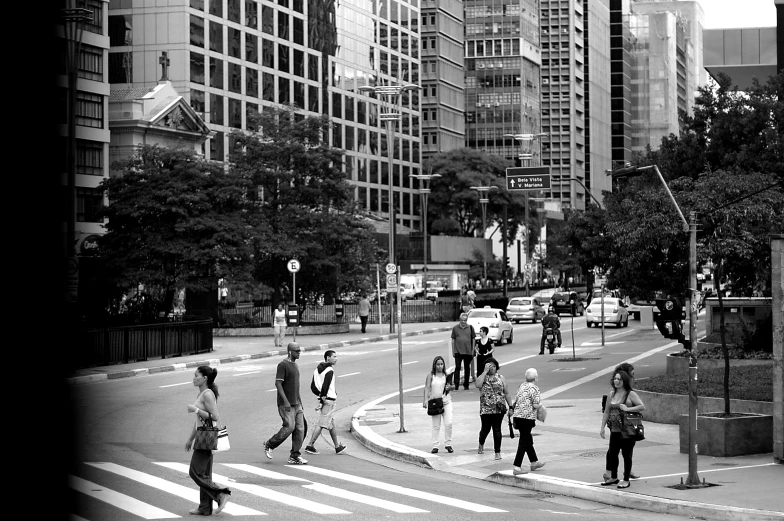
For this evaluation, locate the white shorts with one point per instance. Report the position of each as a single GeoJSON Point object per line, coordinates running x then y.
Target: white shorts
{"type": "Point", "coordinates": [325, 420]}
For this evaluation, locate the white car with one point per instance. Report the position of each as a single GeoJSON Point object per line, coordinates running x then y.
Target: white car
{"type": "Point", "coordinates": [525, 308]}
{"type": "Point", "coordinates": [615, 312]}
{"type": "Point", "coordinates": [499, 325]}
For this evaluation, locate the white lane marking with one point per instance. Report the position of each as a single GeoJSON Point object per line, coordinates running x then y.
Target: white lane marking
{"type": "Point", "coordinates": [595, 343]}
{"type": "Point", "coordinates": [266, 493]}
{"type": "Point", "coordinates": [517, 360]}
{"type": "Point", "coordinates": [173, 385]}
{"type": "Point", "coordinates": [602, 372]}
{"type": "Point", "coordinates": [127, 503]}
{"type": "Point", "coordinates": [390, 349]}
{"type": "Point", "coordinates": [416, 343]}
{"type": "Point", "coordinates": [249, 372]}
{"type": "Point", "coordinates": [332, 491]}
{"type": "Point", "coordinates": [559, 512]}
{"type": "Point", "coordinates": [436, 498]}
{"type": "Point", "coordinates": [189, 494]}
{"type": "Point", "coordinates": [711, 470]}
{"type": "Point", "coordinates": [344, 375]}
{"type": "Point", "coordinates": [412, 362]}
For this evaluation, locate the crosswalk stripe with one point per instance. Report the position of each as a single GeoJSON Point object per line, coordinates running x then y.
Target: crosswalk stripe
{"type": "Point", "coordinates": [172, 488]}
{"type": "Point", "coordinates": [266, 493]}
{"type": "Point", "coordinates": [332, 491]}
{"type": "Point", "coordinates": [127, 503]}
{"type": "Point", "coordinates": [458, 503]}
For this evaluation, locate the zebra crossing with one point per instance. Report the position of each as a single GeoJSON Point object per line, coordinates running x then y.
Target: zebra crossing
{"type": "Point", "coordinates": [164, 489]}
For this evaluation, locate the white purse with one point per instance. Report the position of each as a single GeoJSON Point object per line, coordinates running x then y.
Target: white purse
{"type": "Point", "coordinates": [223, 440]}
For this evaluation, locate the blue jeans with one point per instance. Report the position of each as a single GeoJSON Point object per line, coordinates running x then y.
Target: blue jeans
{"type": "Point", "coordinates": [293, 425]}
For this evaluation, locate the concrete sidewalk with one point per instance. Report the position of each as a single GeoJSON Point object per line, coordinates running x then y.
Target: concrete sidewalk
{"type": "Point", "coordinates": [237, 349]}
{"type": "Point", "coordinates": [748, 488]}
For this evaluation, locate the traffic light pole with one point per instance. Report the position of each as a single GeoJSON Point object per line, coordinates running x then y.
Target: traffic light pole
{"type": "Point", "coordinates": [506, 258]}
{"type": "Point", "coordinates": [693, 480]}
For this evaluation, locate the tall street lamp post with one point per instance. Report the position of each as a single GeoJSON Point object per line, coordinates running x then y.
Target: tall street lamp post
{"type": "Point", "coordinates": [424, 190]}
{"type": "Point", "coordinates": [690, 226]}
{"type": "Point", "coordinates": [483, 200]}
{"type": "Point", "coordinates": [390, 114]}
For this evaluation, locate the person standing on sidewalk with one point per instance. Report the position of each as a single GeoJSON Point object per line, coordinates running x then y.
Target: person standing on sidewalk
{"type": "Point", "coordinates": [523, 411]}
{"type": "Point", "coordinates": [484, 348]}
{"type": "Point", "coordinates": [493, 401]}
{"type": "Point", "coordinates": [623, 399]}
{"type": "Point", "coordinates": [323, 384]}
{"type": "Point", "coordinates": [279, 321]}
{"type": "Point", "coordinates": [438, 386]}
{"type": "Point", "coordinates": [364, 311]}
{"type": "Point", "coordinates": [206, 409]}
{"type": "Point", "coordinates": [463, 350]}
{"type": "Point", "coordinates": [289, 407]}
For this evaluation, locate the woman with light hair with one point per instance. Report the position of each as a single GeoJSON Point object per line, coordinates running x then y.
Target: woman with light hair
{"type": "Point", "coordinates": [523, 413]}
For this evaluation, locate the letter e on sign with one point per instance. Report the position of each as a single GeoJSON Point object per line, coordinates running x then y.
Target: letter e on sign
{"type": "Point", "coordinates": [293, 265]}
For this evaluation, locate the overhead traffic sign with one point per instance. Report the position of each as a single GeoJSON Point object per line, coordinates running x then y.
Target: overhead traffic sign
{"type": "Point", "coordinates": [293, 265]}
{"type": "Point", "coordinates": [529, 178]}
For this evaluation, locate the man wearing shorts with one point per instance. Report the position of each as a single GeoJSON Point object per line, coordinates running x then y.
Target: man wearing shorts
{"type": "Point", "coordinates": [323, 385]}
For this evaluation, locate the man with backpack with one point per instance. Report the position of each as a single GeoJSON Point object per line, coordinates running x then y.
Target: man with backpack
{"type": "Point", "coordinates": [323, 386]}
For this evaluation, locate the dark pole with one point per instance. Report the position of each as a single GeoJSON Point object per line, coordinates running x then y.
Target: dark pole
{"type": "Point", "coordinates": [506, 289]}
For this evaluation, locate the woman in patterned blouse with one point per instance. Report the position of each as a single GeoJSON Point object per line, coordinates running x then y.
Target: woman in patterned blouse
{"type": "Point", "coordinates": [523, 411]}
{"type": "Point", "coordinates": [493, 400]}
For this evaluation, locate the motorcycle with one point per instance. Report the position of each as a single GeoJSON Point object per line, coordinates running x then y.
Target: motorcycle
{"type": "Point", "coordinates": [549, 336]}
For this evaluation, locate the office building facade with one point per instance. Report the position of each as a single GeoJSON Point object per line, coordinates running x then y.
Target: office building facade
{"type": "Point", "coordinates": [232, 57]}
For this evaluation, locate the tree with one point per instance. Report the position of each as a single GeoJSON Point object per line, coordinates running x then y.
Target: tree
{"type": "Point", "coordinates": [302, 205]}
{"type": "Point", "coordinates": [452, 198]}
{"type": "Point", "coordinates": [581, 242]}
{"type": "Point", "coordinates": [174, 221]}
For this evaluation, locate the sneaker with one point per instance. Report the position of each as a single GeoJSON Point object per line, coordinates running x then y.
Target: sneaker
{"type": "Point", "coordinates": [481, 449]}
{"type": "Point", "coordinates": [267, 450]}
{"type": "Point", "coordinates": [434, 451]}
{"type": "Point", "coordinates": [537, 465]}
{"type": "Point", "coordinates": [632, 475]}
{"type": "Point", "coordinates": [449, 449]}
{"type": "Point", "coordinates": [497, 455]}
{"type": "Point", "coordinates": [541, 352]}
{"type": "Point", "coordinates": [339, 449]}
{"type": "Point", "coordinates": [310, 449]}
{"type": "Point", "coordinates": [223, 499]}
{"type": "Point", "coordinates": [296, 460]}
{"type": "Point", "coordinates": [518, 470]}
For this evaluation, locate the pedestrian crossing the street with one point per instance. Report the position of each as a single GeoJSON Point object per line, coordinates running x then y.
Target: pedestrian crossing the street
{"type": "Point", "coordinates": [163, 489]}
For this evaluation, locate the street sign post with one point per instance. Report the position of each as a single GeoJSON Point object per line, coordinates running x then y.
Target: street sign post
{"type": "Point", "coordinates": [528, 178]}
{"type": "Point", "coordinates": [293, 267]}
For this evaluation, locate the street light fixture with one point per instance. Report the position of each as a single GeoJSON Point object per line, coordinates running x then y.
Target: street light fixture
{"type": "Point", "coordinates": [575, 180]}
{"type": "Point", "coordinates": [390, 114]}
{"type": "Point", "coordinates": [693, 480]}
{"type": "Point", "coordinates": [483, 200]}
{"type": "Point", "coordinates": [424, 190]}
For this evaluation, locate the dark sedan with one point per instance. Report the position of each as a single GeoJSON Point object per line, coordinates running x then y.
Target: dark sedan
{"type": "Point", "coordinates": [562, 303]}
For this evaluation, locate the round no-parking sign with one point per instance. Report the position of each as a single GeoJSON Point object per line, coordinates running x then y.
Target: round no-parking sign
{"type": "Point", "coordinates": [293, 265]}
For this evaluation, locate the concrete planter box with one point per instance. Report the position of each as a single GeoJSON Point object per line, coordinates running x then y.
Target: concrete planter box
{"type": "Point", "coordinates": [667, 408]}
{"type": "Point", "coordinates": [725, 437]}
{"type": "Point", "coordinates": [680, 364]}
{"type": "Point", "coordinates": [268, 331]}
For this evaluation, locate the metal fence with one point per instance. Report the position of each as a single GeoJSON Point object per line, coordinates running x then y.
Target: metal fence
{"type": "Point", "coordinates": [124, 344]}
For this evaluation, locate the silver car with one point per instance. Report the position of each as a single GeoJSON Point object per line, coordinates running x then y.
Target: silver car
{"type": "Point", "coordinates": [615, 312]}
{"type": "Point", "coordinates": [499, 325]}
{"type": "Point", "coordinates": [525, 308]}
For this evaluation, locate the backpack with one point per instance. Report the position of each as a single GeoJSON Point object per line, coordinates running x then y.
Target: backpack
{"type": "Point", "coordinates": [318, 380]}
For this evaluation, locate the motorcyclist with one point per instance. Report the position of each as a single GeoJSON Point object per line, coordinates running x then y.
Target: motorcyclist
{"type": "Point", "coordinates": [550, 320]}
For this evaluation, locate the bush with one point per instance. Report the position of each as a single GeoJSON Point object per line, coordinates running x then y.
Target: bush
{"type": "Point", "coordinates": [735, 353]}
{"type": "Point", "coordinates": [746, 383]}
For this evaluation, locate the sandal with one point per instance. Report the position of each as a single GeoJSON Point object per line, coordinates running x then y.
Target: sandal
{"type": "Point", "coordinates": [625, 486]}
{"type": "Point", "coordinates": [612, 481]}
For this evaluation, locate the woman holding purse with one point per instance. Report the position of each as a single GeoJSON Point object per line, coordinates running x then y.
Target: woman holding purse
{"type": "Point", "coordinates": [206, 409]}
{"type": "Point", "coordinates": [493, 400]}
{"type": "Point", "coordinates": [437, 386]}
{"type": "Point", "coordinates": [622, 400]}
{"type": "Point", "coordinates": [527, 402]}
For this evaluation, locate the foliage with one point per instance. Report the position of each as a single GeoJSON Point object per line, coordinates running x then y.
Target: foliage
{"type": "Point", "coordinates": [302, 205]}
{"type": "Point", "coordinates": [746, 383]}
{"type": "Point", "coordinates": [174, 221]}
{"type": "Point", "coordinates": [495, 267]}
{"type": "Point", "coordinates": [453, 198]}
{"type": "Point", "coordinates": [580, 242]}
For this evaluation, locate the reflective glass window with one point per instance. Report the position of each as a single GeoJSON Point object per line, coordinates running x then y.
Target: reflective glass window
{"type": "Point", "coordinates": [235, 78]}
{"type": "Point", "coordinates": [268, 87]}
{"type": "Point", "coordinates": [235, 43]}
{"type": "Point", "coordinates": [233, 10]}
{"type": "Point", "coordinates": [216, 109]}
{"type": "Point", "coordinates": [267, 21]}
{"type": "Point", "coordinates": [313, 99]}
{"type": "Point", "coordinates": [216, 73]}
{"type": "Point", "coordinates": [197, 31]}
{"type": "Point", "coordinates": [267, 53]}
{"type": "Point", "coordinates": [197, 68]}
{"type": "Point", "coordinates": [283, 58]}
{"type": "Point", "coordinates": [235, 113]}
{"type": "Point", "coordinates": [299, 94]}
{"type": "Point", "coordinates": [251, 48]}
{"type": "Point", "coordinates": [284, 91]}
{"type": "Point", "coordinates": [299, 63]}
{"type": "Point", "coordinates": [252, 82]}
{"type": "Point", "coordinates": [251, 14]}
{"type": "Point", "coordinates": [216, 37]}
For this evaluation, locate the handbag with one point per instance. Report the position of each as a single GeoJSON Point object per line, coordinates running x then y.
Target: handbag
{"type": "Point", "coordinates": [500, 408]}
{"type": "Point", "coordinates": [206, 436]}
{"type": "Point", "coordinates": [541, 413]}
{"type": "Point", "coordinates": [223, 440]}
{"type": "Point", "coordinates": [632, 427]}
{"type": "Point", "coordinates": [435, 406]}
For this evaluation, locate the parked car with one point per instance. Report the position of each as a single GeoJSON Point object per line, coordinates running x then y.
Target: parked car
{"type": "Point", "coordinates": [433, 288]}
{"type": "Point", "coordinates": [496, 321]}
{"type": "Point", "coordinates": [634, 307]}
{"type": "Point", "coordinates": [615, 312]}
{"type": "Point", "coordinates": [525, 308]}
{"type": "Point", "coordinates": [562, 303]}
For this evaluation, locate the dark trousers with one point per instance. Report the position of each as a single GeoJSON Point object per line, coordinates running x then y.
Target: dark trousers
{"type": "Point", "coordinates": [293, 425]}
{"type": "Point", "coordinates": [466, 361]}
{"type": "Point", "coordinates": [364, 322]}
{"type": "Point", "coordinates": [480, 363]}
{"type": "Point", "coordinates": [201, 474]}
{"type": "Point", "coordinates": [491, 421]}
{"type": "Point", "coordinates": [626, 447]}
{"type": "Point", "coordinates": [544, 338]}
{"type": "Point", "coordinates": [526, 443]}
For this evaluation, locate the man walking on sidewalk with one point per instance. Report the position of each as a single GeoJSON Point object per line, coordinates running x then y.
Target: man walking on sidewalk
{"type": "Point", "coordinates": [463, 350]}
{"type": "Point", "coordinates": [289, 407]}
{"type": "Point", "coordinates": [364, 311]}
{"type": "Point", "coordinates": [323, 385]}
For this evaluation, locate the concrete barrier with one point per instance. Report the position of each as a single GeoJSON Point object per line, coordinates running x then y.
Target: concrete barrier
{"type": "Point", "coordinates": [680, 364]}
{"type": "Point", "coordinates": [667, 408]}
{"type": "Point", "coordinates": [323, 329]}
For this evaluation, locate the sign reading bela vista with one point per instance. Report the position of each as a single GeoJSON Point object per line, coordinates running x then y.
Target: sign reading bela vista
{"type": "Point", "coordinates": [531, 178]}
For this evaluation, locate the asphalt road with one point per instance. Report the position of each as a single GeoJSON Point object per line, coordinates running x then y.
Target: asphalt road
{"type": "Point", "coordinates": [131, 462]}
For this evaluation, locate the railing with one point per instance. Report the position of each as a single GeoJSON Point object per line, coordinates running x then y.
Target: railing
{"type": "Point", "coordinates": [124, 344]}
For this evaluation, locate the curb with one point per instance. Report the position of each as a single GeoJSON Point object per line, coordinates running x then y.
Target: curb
{"type": "Point", "coordinates": [240, 358]}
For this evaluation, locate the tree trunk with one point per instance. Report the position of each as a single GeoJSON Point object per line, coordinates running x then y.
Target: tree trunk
{"type": "Point", "coordinates": [725, 351]}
